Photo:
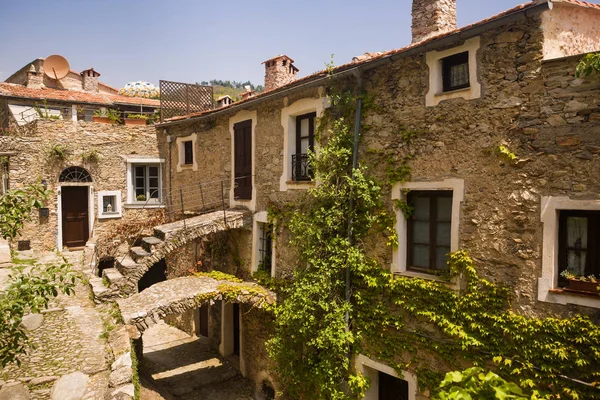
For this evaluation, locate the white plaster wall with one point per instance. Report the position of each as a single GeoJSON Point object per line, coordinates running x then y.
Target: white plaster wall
{"type": "Point", "coordinates": [570, 30]}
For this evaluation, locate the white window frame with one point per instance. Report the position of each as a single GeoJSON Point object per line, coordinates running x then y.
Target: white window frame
{"type": "Point", "coordinates": [434, 61]}
{"type": "Point", "coordinates": [117, 212]}
{"type": "Point", "coordinates": [260, 219]}
{"type": "Point", "coordinates": [288, 121]}
{"type": "Point", "coordinates": [371, 368]}
{"type": "Point", "coordinates": [131, 198]}
{"type": "Point", "coordinates": [548, 290]}
{"type": "Point", "coordinates": [181, 165]}
{"type": "Point", "coordinates": [457, 186]}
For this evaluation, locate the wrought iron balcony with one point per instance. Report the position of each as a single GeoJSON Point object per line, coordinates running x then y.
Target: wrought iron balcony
{"type": "Point", "coordinates": [301, 169]}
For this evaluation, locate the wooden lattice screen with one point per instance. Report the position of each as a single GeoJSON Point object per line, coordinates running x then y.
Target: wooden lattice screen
{"type": "Point", "coordinates": [178, 98]}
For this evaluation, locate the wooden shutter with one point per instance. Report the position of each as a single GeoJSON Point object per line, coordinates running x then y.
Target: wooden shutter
{"type": "Point", "coordinates": [243, 160]}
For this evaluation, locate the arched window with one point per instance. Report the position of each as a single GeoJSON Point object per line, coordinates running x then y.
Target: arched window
{"type": "Point", "coordinates": [75, 174]}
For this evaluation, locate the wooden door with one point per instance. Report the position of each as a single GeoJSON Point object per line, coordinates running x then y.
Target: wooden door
{"type": "Point", "coordinates": [75, 223]}
{"type": "Point", "coordinates": [236, 329]}
{"type": "Point", "coordinates": [243, 160]}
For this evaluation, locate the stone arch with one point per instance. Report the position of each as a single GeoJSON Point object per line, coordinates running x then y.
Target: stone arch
{"type": "Point", "coordinates": [176, 296]}
{"type": "Point", "coordinates": [75, 174]}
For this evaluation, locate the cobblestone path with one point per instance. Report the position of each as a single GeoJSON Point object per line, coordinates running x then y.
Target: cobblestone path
{"type": "Point", "coordinates": [67, 341]}
{"type": "Point", "coordinates": [188, 368]}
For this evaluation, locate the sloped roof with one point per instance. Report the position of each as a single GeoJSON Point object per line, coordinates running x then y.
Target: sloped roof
{"type": "Point", "coordinates": [72, 96]}
{"type": "Point", "coordinates": [377, 56]}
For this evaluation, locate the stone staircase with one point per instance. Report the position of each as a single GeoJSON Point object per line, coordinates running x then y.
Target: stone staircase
{"type": "Point", "coordinates": [121, 281]}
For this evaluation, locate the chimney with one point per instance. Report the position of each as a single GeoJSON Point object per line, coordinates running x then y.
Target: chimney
{"type": "Point", "coordinates": [90, 80]}
{"type": "Point", "coordinates": [432, 17]}
{"type": "Point", "coordinates": [224, 101]}
{"type": "Point", "coordinates": [279, 71]}
{"type": "Point", "coordinates": [248, 92]}
{"type": "Point", "coordinates": [35, 79]}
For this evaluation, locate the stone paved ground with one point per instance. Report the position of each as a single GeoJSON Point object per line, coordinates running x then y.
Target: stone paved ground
{"type": "Point", "coordinates": [188, 368]}
{"type": "Point", "coordinates": [67, 341]}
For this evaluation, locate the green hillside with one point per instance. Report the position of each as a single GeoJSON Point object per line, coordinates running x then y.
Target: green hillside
{"type": "Point", "coordinates": [231, 88]}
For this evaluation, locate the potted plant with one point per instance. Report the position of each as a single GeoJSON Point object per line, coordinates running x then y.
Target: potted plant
{"type": "Point", "coordinates": [580, 283]}
{"type": "Point", "coordinates": [107, 116]}
{"type": "Point", "coordinates": [136, 119]}
{"type": "Point", "coordinates": [140, 197]}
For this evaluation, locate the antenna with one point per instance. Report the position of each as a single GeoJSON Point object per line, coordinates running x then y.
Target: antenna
{"type": "Point", "coordinates": [56, 67]}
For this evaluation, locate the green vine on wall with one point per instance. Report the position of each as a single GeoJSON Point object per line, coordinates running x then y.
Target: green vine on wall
{"type": "Point", "coordinates": [425, 326]}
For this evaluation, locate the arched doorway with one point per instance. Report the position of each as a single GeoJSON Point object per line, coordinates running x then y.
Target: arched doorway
{"type": "Point", "coordinates": [75, 206]}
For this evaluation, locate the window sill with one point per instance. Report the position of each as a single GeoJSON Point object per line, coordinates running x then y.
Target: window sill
{"type": "Point", "coordinates": [455, 91]}
{"type": "Point", "coordinates": [566, 296]}
{"type": "Point", "coordinates": [453, 284]}
{"type": "Point", "coordinates": [300, 184]}
{"type": "Point", "coordinates": [143, 205]}
{"type": "Point", "coordinates": [110, 215]}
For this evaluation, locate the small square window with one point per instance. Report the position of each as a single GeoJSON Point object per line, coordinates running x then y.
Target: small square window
{"type": "Point", "coordinates": [579, 243]}
{"type": "Point", "coordinates": [188, 152]}
{"type": "Point", "coordinates": [109, 204]}
{"type": "Point", "coordinates": [455, 71]}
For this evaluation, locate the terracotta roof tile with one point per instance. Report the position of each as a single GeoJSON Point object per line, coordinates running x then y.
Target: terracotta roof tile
{"type": "Point", "coordinates": [580, 3]}
{"type": "Point", "coordinates": [72, 96]}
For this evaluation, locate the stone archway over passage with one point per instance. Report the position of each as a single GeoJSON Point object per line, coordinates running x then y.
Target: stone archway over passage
{"type": "Point", "coordinates": [178, 295]}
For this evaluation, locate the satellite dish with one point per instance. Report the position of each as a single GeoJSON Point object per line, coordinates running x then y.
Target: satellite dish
{"type": "Point", "coordinates": [56, 67]}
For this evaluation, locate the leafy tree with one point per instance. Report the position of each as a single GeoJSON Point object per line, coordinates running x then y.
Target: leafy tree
{"type": "Point", "coordinates": [29, 292]}
{"type": "Point", "coordinates": [16, 207]}
{"type": "Point", "coordinates": [589, 64]}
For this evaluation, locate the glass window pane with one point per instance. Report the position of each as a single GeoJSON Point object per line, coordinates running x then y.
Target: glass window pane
{"type": "Point", "coordinates": [108, 204]}
{"type": "Point", "coordinates": [577, 232]}
{"type": "Point", "coordinates": [153, 183]}
{"type": "Point", "coordinates": [441, 257]}
{"type": "Point", "coordinates": [444, 208]}
{"type": "Point", "coordinates": [153, 171]}
{"type": "Point", "coordinates": [421, 232]}
{"type": "Point", "coordinates": [304, 127]}
{"type": "Point", "coordinates": [420, 256]}
{"type": "Point", "coordinates": [139, 171]}
{"type": "Point", "coordinates": [139, 182]}
{"type": "Point", "coordinates": [459, 75]}
{"type": "Point", "coordinates": [304, 146]}
{"type": "Point", "coordinates": [442, 234]}
{"type": "Point", "coordinates": [421, 205]}
{"type": "Point", "coordinates": [139, 191]}
{"type": "Point", "coordinates": [154, 193]}
{"type": "Point", "coordinates": [576, 261]}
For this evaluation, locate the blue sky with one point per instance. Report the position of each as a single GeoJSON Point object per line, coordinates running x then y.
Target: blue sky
{"type": "Point", "coordinates": [191, 40]}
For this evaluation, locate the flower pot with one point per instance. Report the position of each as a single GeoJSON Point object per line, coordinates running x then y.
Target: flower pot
{"type": "Point", "coordinates": [102, 120]}
{"type": "Point", "coordinates": [581, 286]}
{"type": "Point", "coordinates": [135, 121]}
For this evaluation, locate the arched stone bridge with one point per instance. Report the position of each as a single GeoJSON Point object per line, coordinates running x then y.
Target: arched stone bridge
{"type": "Point", "coordinates": [171, 236]}
{"type": "Point", "coordinates": [175, 296]}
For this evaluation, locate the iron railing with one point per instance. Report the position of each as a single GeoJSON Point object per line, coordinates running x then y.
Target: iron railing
{"type": "Point", "coordinates": [301, 168]}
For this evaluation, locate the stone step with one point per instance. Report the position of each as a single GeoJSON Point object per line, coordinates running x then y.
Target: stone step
{"type": "Point", "coordinates": [159, 234]}
{"type": "Point", "coordinates": [125, 264]}
{"type": "Point", "coordinates": [102, 293]}
{"type": "Point", "coordinates": [138, 253]}
{"type": "Point", "coordinates": [114, 277]}
{"type": "Point", "coordinates": [150, 243]}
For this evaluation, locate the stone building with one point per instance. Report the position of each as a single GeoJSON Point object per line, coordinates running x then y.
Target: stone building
{"type": "Point", "coordinates": [505, 84]}
{"type": "Point", "coordinates": [99, 173]}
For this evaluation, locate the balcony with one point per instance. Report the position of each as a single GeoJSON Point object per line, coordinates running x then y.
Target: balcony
{"type": "Point", "coordinates": [301, 168]}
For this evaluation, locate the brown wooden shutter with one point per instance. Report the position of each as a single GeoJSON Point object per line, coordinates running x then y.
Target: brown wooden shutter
{"type": "Point", "coordinates": [243, 160]}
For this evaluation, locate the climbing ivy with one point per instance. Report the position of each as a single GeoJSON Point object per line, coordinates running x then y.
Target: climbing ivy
{"type": "Point", "coordinates": [426, 326]}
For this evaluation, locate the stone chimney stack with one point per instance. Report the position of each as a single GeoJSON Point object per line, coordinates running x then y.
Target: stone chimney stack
{"type": "Point", "coordinates": [279, 71]}
{"type": "Point", "coordinates": [432, 17]}
{"type": "Point", "coordinates": [35, 79]}
{"type": "Point", "coordinates": [90, 80]}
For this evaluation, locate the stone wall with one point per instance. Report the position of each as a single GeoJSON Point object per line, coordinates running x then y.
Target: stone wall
{"type": "Point", "coordinates": [32, 163]}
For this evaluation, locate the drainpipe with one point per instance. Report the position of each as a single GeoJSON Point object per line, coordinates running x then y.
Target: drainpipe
{"type": "Point", "coordinates": [169, 141]}
{"type": "Point", "coordinates": [359, 80]}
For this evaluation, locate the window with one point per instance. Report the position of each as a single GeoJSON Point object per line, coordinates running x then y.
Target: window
{"type": "Point", "coordinates": [242, 144]}
{"type": "Point", "coordinates": [265, 248]}
{"type": "Point", "coordinates": [109, 204]}
{"type": "Point", "coordinates": [391, 387]}
{"type": "Point", "coordinates": [305, 142]}
{"type": "Point", "coordinates": [386, 382]}
{"type": "Point", "coordinates": [429, 230]}
{"type": "Point", "coordinates": [146, 183]}
{"type": "Point", "coordinates": [578, 243]}
{"type": "Point", "coordinates": [455, 71]}
{"type": "Point", "coordinates": [188, 152]}
{"type": "Point", "coordinates": [186, 147]}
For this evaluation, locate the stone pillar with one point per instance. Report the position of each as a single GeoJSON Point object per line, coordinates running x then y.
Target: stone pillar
{"type": "Point", "coordinates": [279, 71]}
{"type": "Point", "coordinates": [35, 79]}
{"type": "Point", "coordinates": [432, 17]}
{"type": "Point", "coordinates": [90, 80]}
